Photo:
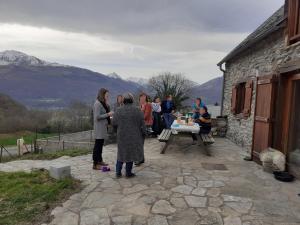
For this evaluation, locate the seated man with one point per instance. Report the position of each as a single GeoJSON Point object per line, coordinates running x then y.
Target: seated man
{"type": "Point", "coordinates": [204, 122]}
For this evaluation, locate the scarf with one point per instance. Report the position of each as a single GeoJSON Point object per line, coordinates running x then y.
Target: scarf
{"type": "Point", "coordinates": [107, 110]}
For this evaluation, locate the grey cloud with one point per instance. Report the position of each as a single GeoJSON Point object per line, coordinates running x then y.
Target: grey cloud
{"type": "Point", "coordinates": [118, 17]}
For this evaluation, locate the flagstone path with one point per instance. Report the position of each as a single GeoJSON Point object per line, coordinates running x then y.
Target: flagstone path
{"type": "Point", "coordinates": [181, 187]}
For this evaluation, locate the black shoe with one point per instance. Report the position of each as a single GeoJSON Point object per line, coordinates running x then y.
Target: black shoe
{"type": "Point", "coordinates": [130, 175]}
{"type": "Point", "coordinates": [118, 175]}
{"type": "Point", "coordinates": [139, 163]}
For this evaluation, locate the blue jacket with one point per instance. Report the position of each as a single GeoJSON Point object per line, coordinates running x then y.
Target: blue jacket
{"type": "Point", "coordinates": [165, 108]}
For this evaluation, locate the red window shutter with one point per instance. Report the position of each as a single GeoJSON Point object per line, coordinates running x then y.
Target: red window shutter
{"type": "Point", "coordinates": [233, 99]}
{"type": "Point", "coordinates": [248, 98]}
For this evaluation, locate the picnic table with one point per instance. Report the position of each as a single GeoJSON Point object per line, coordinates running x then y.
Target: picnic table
{"type": "Point", "coordinates": [181, 127]}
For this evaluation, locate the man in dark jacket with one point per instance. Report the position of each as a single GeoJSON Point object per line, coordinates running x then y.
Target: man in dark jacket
{"type": "Point", "coordinates": [204, 122]}
{"type": "Point", "coordinates": [167, 108]}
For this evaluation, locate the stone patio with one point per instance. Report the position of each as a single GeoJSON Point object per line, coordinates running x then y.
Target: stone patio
{"type": "Point", "coordinates": [176, 189]}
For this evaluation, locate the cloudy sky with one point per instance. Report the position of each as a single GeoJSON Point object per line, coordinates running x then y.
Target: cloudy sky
{"type": "Point", "coordinates": [138, 38]}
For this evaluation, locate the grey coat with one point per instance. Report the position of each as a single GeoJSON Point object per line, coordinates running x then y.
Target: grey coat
{"type": "Point", "coordinates": [131, 130]}
{"type": "Point", "coordinates": [100, 121]}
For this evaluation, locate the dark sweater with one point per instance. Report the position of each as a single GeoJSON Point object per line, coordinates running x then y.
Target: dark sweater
{"type": "Point", "coordinates": [205, 126]}
{"type": "Point", "coordinates": [165, 108]}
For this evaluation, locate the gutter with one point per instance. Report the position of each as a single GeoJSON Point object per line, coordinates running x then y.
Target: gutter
{"type": "Point", "coordinates": [223, 86]}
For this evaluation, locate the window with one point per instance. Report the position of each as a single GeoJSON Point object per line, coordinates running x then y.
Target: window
{"type": "Point", "coordinates": [294, 21]}
{"type": "Point", "coordinates": [241, 98]}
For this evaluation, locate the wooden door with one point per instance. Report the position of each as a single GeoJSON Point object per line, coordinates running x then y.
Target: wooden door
{"type": "Point", "coordinates": [264, 112]}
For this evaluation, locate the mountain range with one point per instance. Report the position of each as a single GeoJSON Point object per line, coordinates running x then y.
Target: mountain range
{"type": "Point", "coordinates": [40, 84]}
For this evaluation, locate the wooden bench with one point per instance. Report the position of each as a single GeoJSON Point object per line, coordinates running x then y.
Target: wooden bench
{"type": "Point", "coordinates": [207, 139]}
{"type": "Point", "coordinates": [165, 136]}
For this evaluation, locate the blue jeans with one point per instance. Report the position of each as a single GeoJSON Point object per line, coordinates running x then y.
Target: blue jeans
{"type": "Point", "coordinates": [168, 117]}
{"type": "Point", "coordinates": [119, 166]}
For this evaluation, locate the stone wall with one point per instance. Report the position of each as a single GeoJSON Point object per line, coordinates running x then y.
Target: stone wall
{"type": "Point", "coordinates": [265, 57]}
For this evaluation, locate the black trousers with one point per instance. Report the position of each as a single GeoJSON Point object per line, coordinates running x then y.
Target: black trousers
{"type": "Point", "coordinates": [97, 153]}
{"type": "Point", "coordinates": [157, 123]}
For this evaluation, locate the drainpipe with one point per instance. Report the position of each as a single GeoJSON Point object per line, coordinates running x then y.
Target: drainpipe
{"type": "Point", "coordinates": [223, 86]}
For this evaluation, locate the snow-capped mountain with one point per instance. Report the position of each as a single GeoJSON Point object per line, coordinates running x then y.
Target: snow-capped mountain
{"type": "Point", "coordinates": [40, 84]}
{"type": "Point", "coordinates": [12, 57]}
{"type": "Point", "coordinates": [114, 75]}
{"type": "Point", "coordinates": [139, 80]}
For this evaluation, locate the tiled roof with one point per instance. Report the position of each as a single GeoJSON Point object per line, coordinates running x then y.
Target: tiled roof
{"type": "Point", "coordinates": [269, 26]}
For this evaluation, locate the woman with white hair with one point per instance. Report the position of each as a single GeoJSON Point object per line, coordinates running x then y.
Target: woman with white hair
{"type": "Point", "coordinates": [131, 130]}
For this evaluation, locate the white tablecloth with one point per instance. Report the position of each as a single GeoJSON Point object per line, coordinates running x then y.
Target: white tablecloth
{"type": "Point", "coordinates": [177, 128]}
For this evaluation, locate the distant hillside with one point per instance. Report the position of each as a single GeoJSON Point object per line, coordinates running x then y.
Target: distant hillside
{"type": "Point", "coordinates": [210, 92]}
{"type": "Point", "coordinates": [14, 116]}
{"type": "Point", "coordinates": [8, 106]}
{"type": "Point", "coordinates": [40, 84]}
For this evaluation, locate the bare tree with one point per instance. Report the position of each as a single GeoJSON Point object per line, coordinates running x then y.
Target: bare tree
{"type": "Point", "coordinates": [175, 84]}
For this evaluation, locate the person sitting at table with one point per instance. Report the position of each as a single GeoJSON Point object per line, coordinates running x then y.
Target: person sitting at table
{"type": "Point", "coordinates": [196, 108]}
{"type": "Point", "coordinates": [204, 122]}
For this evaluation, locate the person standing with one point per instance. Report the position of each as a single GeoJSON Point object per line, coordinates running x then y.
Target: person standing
{"type": "Point", "coordinates": [146, 108]}
{"type": "Point", "coordinates": [168, 108]}
{"type": "Point", "coordinates": [119, 102]}
{"type": "Point", "coordinates": [131, 130]}
{"type": "Point", "coordinates": [102, 116]}
{"type": "Point", "coordinates": [156, 112]}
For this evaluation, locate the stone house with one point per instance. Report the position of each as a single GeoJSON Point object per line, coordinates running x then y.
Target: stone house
{"type": "Point", "coordinates": [261, 90]}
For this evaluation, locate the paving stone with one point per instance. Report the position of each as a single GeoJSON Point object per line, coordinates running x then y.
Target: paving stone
{"type": "Point", "coordinates": [196, 202]}
{"type": "Point", "coordinates": [215, 202]}
{"type": "Point", "coordinates": [158, 194]}
{"type": "Point", "coordinates": [110, 183]}
{"type": "Point", "coordinates": [202, 212]}
{"type": "Point", "coordinates": [212, 218]}
{"type": "Point", "coordinates": [230, 220]}
{"type": "Point", "coordinates": [230, 198]}
{"type": "Point", "coordinates": [219, 183]}
{"type": "Point", "coordinates": [163, 207]}
{"type": "Point", "coordinates": [190, 181]}
{"type": "Point", "coordinates": [72, 205]}
{"type": "Point", "coordinates": [178, 203]}
{"type": "Point", "coordinates": [138, 208]}
{"type": "Point", "coordinates": [94, 217]}
{"type": "Point", "coordinates": [241, 207]}
{"type": "Point", "coordinates": [149, 174]}
{"type": "Point", "coordinates": [184, 217]}
{"type": "Point", "coordinates": [183, 189]}
{"type": "Point", "coordinates": [206, 183]}
{"type": "Point", "coordinates": [213, 192]}
{"type": "Point", "coordinates": [139, 220]}
{"type": "Point", "coordinates": [180, 180]}
{"type": "Point", "coordinates": [199, 191]}
{"type": "Point", "coordinates": [100, 200]}
{"type": "Point", "coordinates": [122, 220]}
{"type": "Point", "coordinates": [157, 220]}
{"type": "Point", "coordinates": [135, 188]}
{"type": "Point", "coordinates": [68, 217]}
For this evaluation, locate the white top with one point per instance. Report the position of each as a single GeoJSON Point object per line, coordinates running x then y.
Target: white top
{"type": "Point", "coordinates": [156, 107]}
{"type": "Point", "coordinates": [176, 128]}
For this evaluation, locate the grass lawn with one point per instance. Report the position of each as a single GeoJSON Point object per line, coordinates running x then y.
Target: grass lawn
{"type": "Point", "coordinates": [27, 198]}
{"type": "Point", "coordinates": [49, 155]}
{"type": "Point", "coordinates": [11, 138]}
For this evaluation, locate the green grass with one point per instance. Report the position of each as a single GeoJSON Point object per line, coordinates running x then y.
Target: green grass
{"type": "Point", "coordinates": [26, 198]}
{"type": "Point", "coordinates": [11, 139]}
{"type": "Point", "coordinates": [49, 155]}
